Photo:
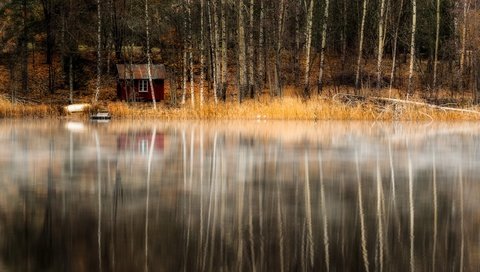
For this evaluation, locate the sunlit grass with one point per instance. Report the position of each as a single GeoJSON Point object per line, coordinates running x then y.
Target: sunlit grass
{"type": "Point", "coordinates": [289, 108]}
{"type": "Point", "coordinates": [18, 110]}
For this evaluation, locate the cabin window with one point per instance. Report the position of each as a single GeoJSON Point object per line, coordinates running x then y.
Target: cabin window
{"type": "Point", "coordinates": [143, 86]}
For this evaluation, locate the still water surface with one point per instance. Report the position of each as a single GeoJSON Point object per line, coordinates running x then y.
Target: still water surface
{"type": "Point", "coordinates": [247, 196]}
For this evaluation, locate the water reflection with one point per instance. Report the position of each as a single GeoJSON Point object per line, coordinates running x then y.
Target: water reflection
{"type": "Point", "coordinates": [276, 196]}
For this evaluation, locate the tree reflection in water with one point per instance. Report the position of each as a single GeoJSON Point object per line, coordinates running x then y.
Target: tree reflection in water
{"type": "Point", "coordinates": [214, 197]}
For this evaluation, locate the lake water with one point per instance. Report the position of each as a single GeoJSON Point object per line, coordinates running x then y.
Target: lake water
{"type": "Point", "coordinates": [248, 196]}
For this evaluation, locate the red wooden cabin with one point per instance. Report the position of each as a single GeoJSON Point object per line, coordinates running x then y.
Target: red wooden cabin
{"type": "Point", "coordinates": [133, 83]}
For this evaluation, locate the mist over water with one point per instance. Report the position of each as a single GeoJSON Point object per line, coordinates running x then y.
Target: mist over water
{"type": "Point", "coordinates": [248, 196]}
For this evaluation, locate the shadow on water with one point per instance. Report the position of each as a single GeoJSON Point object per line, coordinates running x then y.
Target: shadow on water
{"type": "Point", "coordinates": [251, 196]}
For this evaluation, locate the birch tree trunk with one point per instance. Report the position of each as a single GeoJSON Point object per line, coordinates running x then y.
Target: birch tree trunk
{"type": "Point", "coordinates": [412, 45]}
{"type": "Point", "coordinates": [278, 49]}
{"type": "Point", "coordinates": [190, 53]}
{"type": "Point", "coordinates": [308, 47]}
{"type": "Point", "coordinates": [24, 47]}
{"type": "Point", "coordinates": [298, 5]}
{"type": "Point", "coordinates": [242, 74]}
{"type": "Point", "coordinates": [394, 50]}
{"type": "Point", "coordinates": [149, 57]}
{"type": "Point", "coordinates": [437, 38]}
{"type": "Point", "coordinates": [99, 50]}
{"type": "Point", "coordinates": [184, 63]}
{"type": "Point", "coordinates": [360, 46]}
{"type": "Point", "coordinates": [213, 48]}
{"type": "Point", "coordinates": [261, 49]}
{"type": "Point", "coordinates": [381, 23]}
{"type": "Point", "coordinates": [251, 50]}
{"type": "Point", "coordinates": [466, 4]}
{"type": "Point", "coordinates": [322, 48]}
{"type": "Point", "coordinates": [202, 49]}
{"type": "Point", "coordinates": [223, 61]}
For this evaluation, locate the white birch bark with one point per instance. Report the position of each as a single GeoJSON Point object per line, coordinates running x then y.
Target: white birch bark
{"type": "Point", "coordinates": [184, 60]}
{"type": "Point", "coordinates": [202, 49]}
{"type": "Point", "coordinates": [222, 55]}
{"type": "Point", "coordinates": [149, 57]}
{"type": "Point", "coordinates": [394, 50]}
{"type": "Point", "coordinates": [261, 51]}
{"type": "Point", "coordinates": [251, 49]}
{"type": "Point", "coordinates": [412, 45]}
{"type": "Point", "coordinates": [437, 38]}
{"type": "Point", "coordinates": [278, 49]}
{"type": "Point", "coordinates": [466, 4]}
{"type": "Point", "coordinates": [381, 23]}
{"type": "Point", "coordinates": [190, 53]}
{"type": "Point", "coordinates": [360, 45]}
{"type": "Point", "coordinates": [99, 50]}
{"type": "Point", "coordinates": [308, 46]}
{"type": "Point", "coordinates": [241, 51]}
{"type": "Point", "coordinates": [322, 48]}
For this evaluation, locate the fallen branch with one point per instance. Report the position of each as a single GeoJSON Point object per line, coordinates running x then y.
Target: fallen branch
{"type": "Point", "coordinates": [425, 105]}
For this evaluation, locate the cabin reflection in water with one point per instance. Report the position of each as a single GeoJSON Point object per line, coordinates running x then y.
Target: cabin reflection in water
{"type": "Point", "coordinates": [183, 197]}
{"type": "Point", "coordinates": [140, 142]}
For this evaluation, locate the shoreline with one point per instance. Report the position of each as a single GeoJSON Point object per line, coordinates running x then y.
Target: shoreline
{"type": "Point", "coordinates": [287, 108]}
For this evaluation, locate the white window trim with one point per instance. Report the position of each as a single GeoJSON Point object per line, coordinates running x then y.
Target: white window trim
{"type": "Point", "coordinates": [143, 86]}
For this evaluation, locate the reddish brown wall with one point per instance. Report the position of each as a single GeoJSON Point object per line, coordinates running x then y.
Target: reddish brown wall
{"type": "Point", "coordinates": [124, 92]}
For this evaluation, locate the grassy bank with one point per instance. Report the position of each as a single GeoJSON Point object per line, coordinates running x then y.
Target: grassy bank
{"type": "Point", "coordinates": [318, 108]}
{"type": "Point", "coordinates": [292, 109]}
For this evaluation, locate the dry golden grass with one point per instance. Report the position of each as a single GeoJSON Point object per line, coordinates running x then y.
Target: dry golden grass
{"type": "Point", "coordinates": [289, 108]}
{"type": "Point", "coordinates": [18, 110]}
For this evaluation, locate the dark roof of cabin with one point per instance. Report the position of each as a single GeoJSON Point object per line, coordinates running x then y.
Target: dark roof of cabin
{"type": "Point", "coordinates": [140, 71]}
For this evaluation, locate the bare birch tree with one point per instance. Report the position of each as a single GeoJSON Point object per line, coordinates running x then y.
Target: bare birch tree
{"type": "Point", "coordinates": [381, 24]}
{"type": "Point", "coordinates": [190, 52]}
{"type": "Point", "coordinates": [322, 46]}
{"type": "Point", "coordinates": [394, 50]}
{"type": "Point", "coordinates": [149, 56]}
{"type": "Point", "coordinates": [261, 49]}
{"type": "Point", "coordinates": [223, 52]}
{"type": "Point", "coordinates": [202, 49]}
{"type": "Point", "coordinates": [412, 45]}
{"type": "Point", "coordinates": [308, 47]}
{"type": "Point", "coordinates": [184, 60]}
{"type": "Point", "coordinates": [278, 48]}
{"type": "Point", "coordinates": [242, 73]}
{"type": "Point", "coordinates": [251, 50]}
{"type": "Point", "coordinates": [437, 38]}
{"type": "Point", "coordinates": [360, 46]}
{"type": "Point", "coordinates": [466, 6]}
{"type": "Point", "coordinates": [99, 50]}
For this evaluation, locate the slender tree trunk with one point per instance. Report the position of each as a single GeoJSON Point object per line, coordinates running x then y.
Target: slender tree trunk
{"type": "Point", "coordinates": [99, 50]}
{"type": "Point", "coordinates": [251, 50]}
{"type": "Point", "coordinates": [360, 46]}
{"type": "Point", "coordinates": [466, 4]}
{"type": "Point", "coordinates": [190, 53]}
{"type": "Point", "coordinates": [344, 34]}
{"type": "Point", "coordinates": [261, 49]}
{"type": "Point", "coordinates": [278, 49]}
{"type": "Point", "coordinates": [412, 46]}
{"type": "Point", "coordinates": [381, 24]}
{"type": "Point", "coordinates": [394, 51]}
{"type": "Point", "coordinates": [24, 47]}
{"type": "Point", "coordinates": [322, 47]}
{"type": "Point", "coordinates": [297, 52]}
{"type": "Point", "coordinates": [202, 49]}
{"type": "Point", "coordinates": [213, 48]}
{"type": "Point", "coordinates": [149, 57]}
{"type": "Point", "coordinates": [184, 63]}
{"type": "Point", "coordinates": [241, 52]}
{"type": "Point", "coordinates": [70, 77]}
{"type": "Point", "coordinates": [224, 59]}
{"type": "Point", "coordinates": [308, 47]}
{"type": "Point", "coordinates": [437, 41]}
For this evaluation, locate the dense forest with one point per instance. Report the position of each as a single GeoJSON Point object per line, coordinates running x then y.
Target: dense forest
{"type": "Point", "coordinates": [221, 50]}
